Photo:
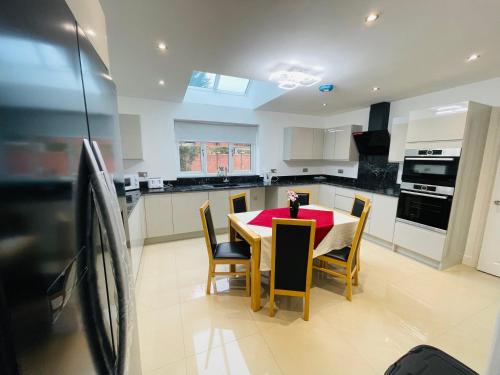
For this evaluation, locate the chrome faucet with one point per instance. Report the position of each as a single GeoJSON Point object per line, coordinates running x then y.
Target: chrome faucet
{"type": "Point", "coordinates": [225, 180]}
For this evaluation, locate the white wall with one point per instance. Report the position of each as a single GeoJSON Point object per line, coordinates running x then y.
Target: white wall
{"type": "Point", "coordinates": [158, 139]}
{"type": "Point", "coordinates": [485, 92]}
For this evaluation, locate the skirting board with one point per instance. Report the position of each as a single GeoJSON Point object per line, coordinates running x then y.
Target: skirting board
{"type": "Point", "coordinates": [180, 236]}
{"type": "Point", "coordinates": [379, 241]}
{"type": "Point", "coordinates": [422, 259]}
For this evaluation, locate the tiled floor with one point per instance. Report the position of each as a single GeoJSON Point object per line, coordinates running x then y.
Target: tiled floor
{"type": "Point", "coordinates": [399, 304]}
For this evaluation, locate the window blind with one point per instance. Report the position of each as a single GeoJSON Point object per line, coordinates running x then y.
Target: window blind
{"type": "Point", "coordinates": [214, 132]}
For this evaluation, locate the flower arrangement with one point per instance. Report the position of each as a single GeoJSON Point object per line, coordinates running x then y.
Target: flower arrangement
{"type": "Point", "coordinates": [293, 197]}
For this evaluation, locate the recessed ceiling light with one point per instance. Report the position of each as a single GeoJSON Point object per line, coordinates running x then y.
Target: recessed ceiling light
{"type": "Point", "coordinates": [473, 57]}
{"type": "Point", "coordinates": [90, 32]}
{"type": "Point", "coordinates": [375, 89]}
{"type": "Point", "coordinates": [324, 104]}
{"type": "Point", "coordinates": [162, 46]}
{"type": "Point", "coordinates": [161, 82]}
{"type": "Point", "coordinates": [372, 17]}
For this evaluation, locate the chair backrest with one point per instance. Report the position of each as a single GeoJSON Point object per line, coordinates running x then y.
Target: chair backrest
{"type": "Point", "coordinates": [208, 228]}
{"type": "Point", "coordinates": [292, 252]}
{"type": "Point", "coordinates": [358, 205]}
{"type": "Point", "coordinates": [304, 197]}
{"type": "Point", "coordinates": [356, 242]}
{"type": "Point", "coordinates": [238, 203]}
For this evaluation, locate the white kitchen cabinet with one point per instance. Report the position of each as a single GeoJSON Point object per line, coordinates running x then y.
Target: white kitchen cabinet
{"type": "Point", "coordinates": [277, 196]}
{"type": "Point", "coordinates": [421, 241]}
{"type": "Point", "coordinates": [136, 229]}
{"type": "Point", "coordinates": [257, 199]}
{"type": "Point", "coordinates": [186, 211]}
{"type": "Point", "coordinates": [437, 124]}
{"type": "Point", "coordinates": [339, 143]}
{"type": "Point", "coordinates": [326, 196]}
{"type": "Point", "coordinates": [302, 143]}
{"type": "Point", "coordinates": [383, 216]}
{"type": "Point", "coordinates": [159, 215]}
{"type": "Point", "coordinates": [398, 141]}
{"type": "Point", "coordinates": [131, 136]}
{"type": "Point", "coordinates": [343, 203]}
{"type": "Point", "coordinates": [219, 207]}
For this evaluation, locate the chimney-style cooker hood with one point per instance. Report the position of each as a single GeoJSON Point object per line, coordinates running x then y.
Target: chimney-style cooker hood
{"type": "Point", "coordinates": [376, 140]}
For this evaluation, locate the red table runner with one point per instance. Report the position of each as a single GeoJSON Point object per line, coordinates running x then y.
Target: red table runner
{"type": "Point", "coordinates": [324, 220]}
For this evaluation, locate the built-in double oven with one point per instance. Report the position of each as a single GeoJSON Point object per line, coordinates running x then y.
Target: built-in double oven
{"type": "Point", "coordinates": [427, 188]}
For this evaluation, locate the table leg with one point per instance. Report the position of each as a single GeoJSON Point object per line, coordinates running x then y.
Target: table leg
{"type": "Point", "coordinates": [232, 238]}
{"type": "Point", "coordinates": [256, 303]}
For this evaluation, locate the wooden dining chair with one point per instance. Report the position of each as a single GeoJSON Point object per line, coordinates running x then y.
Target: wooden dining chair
{"type": "Point", "coordinates": [291, 260]}
{"type": "Point", "coordinates": [238, 203]}
{"type": "Point", "coordinates": [358, 205]}
{"type": "Point", "coordinates": [305, 196]}
{"type": "Point", "coordinates": [346, 258]}
{"type": "Point", "coordinates": [231, 253]}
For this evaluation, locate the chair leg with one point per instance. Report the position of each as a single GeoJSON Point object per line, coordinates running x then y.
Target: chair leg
{"type": "Point", "coordinates": [356, 277]}
{"type": "Point", "coordinates": [247, 281]}
{"type": "Point", "coordinates": [209, 281]}
{"type": "Point", "coordinates": [271, 303]}
{"type": "Point", "coordinates": [306, 307]}
{"type": "Point", "coordinates": [349, 286]}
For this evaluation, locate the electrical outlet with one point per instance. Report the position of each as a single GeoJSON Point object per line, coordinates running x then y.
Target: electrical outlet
{"type": "Point", "coordinates": [340, 171]}
{"type": "Point", "coordinates": [143, 174]}
{"type": "Point", "coordinates": [274, 170]}
{"type": "Point", "coordinates": [305, 169]}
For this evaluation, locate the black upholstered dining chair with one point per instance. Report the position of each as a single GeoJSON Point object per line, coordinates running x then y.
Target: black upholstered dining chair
{"type": "Point", "coordinates": [238, 203]}
{"type": "Point", "coordinates": [291, 260]}
{"type": "Point", "coordinates": [358, 205]}
{"type": "Point", "coordinates": [305, 196]}
{"type": "Point", "coordinates": [231, 253]}
{"type": "Point", "coordinates": [346, 258]}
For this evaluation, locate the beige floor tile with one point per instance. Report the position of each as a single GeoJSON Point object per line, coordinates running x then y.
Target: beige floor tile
{"type": "Point", "coordinates": [176, 368]}
{"type": "Point", "coordinates": [215, 320]}
{"type": "Point", "coordinates": [399, 303]}
{"type": "Point", "coordinates": [160, 337]}
{"type": "Point", "coordinates": [249, 355]}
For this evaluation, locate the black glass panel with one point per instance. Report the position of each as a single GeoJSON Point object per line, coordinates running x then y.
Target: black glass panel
{"type": "Point", "coordinates": [427, 210]}
{"type": "Point", "coordinates": [431, 172]}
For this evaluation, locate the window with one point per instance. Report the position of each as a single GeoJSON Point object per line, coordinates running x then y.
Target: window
{"type": "Point", "coordinates": [190, 157]}
{"type": "Point", "coordinates": [219, 83]}
{"type": "Point", "coordinates": [214, 158]}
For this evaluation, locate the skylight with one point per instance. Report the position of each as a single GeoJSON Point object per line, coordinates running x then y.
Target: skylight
{"type": "Point", "coordinates": [219, 83]}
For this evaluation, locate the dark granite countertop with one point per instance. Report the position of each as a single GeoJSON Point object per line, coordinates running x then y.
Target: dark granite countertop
{"type": "Point", "coordinates": [204, 185]}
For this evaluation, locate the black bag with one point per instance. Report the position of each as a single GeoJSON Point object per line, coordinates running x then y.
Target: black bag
{"type": "Point", "coordinates": [427, 360]}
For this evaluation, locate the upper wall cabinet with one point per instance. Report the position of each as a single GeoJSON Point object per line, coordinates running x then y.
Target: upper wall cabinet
{"type": "Point", "coordinates": [302, 143]}
{"type": "Point", "coordinates": [130, 127]}
{"type": "Point", "coordinates": [398, 140]}
{"type": "Point", "coordinates": [445, 123]}
{"type": "Point", "coordinates": [339, 143]}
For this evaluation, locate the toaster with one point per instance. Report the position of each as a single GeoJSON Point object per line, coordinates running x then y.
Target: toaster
{"type": "Point", "coordinates": [155, 183]}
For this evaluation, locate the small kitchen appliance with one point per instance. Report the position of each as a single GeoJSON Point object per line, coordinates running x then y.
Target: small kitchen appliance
{"type": "Point", "coordinates": [155, 183]}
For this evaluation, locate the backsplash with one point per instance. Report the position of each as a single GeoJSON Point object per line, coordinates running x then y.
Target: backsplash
{"type": "Point", "coordinates": [374, 171]}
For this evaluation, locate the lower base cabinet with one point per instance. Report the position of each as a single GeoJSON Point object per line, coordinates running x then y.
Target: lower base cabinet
{"type": "Point", "coordinates": [383, 217]}
{"type": "Point", "coordinates": [137, 233]}
{"type": "Point", "coordinates": [185, 211]}
{"type": "Point", "coordinates": [159, 215]}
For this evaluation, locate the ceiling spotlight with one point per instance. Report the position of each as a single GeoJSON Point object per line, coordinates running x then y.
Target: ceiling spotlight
{"type": "Point", "coordinates": [90, 32]}
{"type": "Point", "coordinates": [375, 89]}
{"type": "Point", "coordinates": [161, 82]}
{"type": "Point", "coordinates": [324, 104]}
{"type": "Point", "coordinates": [162, 46]}
{"type": "Point", "coordinates": [372, 17]}
{"type": "Point", "coordinates": [473, 57]}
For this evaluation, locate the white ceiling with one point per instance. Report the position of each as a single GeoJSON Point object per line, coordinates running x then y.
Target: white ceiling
{"type": "Point", "coordinates": [416, 46]}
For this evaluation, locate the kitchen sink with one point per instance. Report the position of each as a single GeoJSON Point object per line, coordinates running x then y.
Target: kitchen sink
{"type": "Point", "coordinates": [225, 185]}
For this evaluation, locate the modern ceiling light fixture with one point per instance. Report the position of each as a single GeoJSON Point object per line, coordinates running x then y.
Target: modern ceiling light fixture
{"type": "Point", "coordinates": [375, 89]}
{"type": "Point", "coordinates": [162, 46]}
{"type": "Point", "coordinates": [161, 82]}
{"type": "Point", "coordinates": [372, 17]}
{"type": "Point", "coordinates": [473, 57]}
{"type": "Point", "coordinates": [289, 78]}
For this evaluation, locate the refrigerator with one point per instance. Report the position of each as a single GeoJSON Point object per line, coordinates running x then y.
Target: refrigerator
{"type": "Point", "coordinates": [66, 289]}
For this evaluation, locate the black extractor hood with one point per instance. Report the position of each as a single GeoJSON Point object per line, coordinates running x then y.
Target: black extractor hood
{"type": "Point", "coordinates": [376, 140]}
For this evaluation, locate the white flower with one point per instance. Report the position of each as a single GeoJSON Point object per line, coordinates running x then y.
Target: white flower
{"type": "Point", "coordinates": [292, 196]}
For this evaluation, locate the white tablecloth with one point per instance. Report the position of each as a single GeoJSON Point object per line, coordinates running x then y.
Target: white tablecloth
{"type": "Point", "coordinates": [339, 236]}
